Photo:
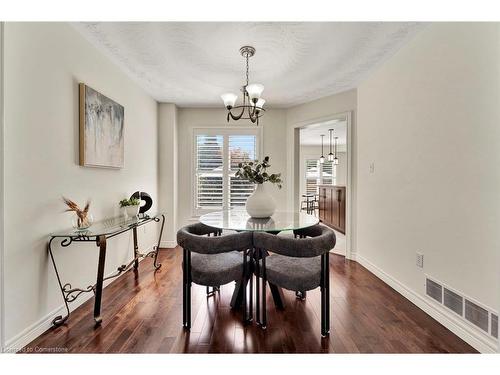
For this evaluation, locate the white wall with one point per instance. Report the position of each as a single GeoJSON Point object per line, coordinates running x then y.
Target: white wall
{"type": "Point", "coordinates": [43, 64]}
{"type": "Point", "coordinates": [273, 145]}
{"type": "Point", "coordinates": [429, 120]}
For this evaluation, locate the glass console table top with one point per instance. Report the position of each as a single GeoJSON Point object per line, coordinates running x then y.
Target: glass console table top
{"type": "Point", "coordinates": [109, 227]}
{"type": "Point", "coordinates": [239, 220]}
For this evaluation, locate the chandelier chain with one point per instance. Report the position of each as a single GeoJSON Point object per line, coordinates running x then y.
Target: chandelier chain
{"type": "Point", "coordinates": [247, 68]}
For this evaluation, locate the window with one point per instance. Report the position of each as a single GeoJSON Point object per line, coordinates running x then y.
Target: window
{"type": "Point", "coordinates": [217, 153]}
{"type": "Point", "coordinates": [317, 173]}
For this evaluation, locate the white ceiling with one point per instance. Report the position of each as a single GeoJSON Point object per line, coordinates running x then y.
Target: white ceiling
{"type": "Point", "coordinates": [193, 63]}
{"type": "Point", "coordinates": [311, 135]}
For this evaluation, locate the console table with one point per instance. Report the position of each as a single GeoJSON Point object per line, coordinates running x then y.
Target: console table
{"type": "Point", "coordinates": [99, 233]}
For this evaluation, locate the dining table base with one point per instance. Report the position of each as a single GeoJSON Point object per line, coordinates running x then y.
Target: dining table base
{"type": "Point", "coordinates": [276, 292]}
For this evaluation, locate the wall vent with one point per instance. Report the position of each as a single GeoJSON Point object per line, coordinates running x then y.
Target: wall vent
{"type": "Point", "coordinates": [476, 315]}
{"type": "Point", "coordinates": [479, 316]}
{"type": "Point", "coordinates": [494, 326]}
{"type": "Point", "coordinates": [453, 301]}
{"type": "Point", "coordinates": [434, 290]}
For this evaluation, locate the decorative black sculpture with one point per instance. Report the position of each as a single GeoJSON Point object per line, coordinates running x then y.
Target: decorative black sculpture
{"type": "Point", "coordinates": [143, 196]}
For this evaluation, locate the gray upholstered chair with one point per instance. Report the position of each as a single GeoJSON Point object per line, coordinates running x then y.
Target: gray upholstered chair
{"type": "Point", "coordinates": [212, 260]}
{"type": "Point", "coordinates": [298, 264]}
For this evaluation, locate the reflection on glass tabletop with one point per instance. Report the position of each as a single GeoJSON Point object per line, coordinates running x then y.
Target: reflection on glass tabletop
{"type": "Point", "coordinates": [239, 220]}
{"type": "Point", "coordinates": [109, 226]}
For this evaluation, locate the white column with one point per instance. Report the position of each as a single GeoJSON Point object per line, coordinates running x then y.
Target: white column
{"type": "Point", "coordinates": [168, 179]}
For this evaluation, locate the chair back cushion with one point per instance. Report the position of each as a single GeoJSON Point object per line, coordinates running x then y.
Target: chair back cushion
{"type": "Point", "coordinates": [195, 238]}
{"type": "Point", "coordinates": [320, 239]}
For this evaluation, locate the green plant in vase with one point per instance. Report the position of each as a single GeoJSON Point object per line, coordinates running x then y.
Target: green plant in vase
{"type": "Point", "coordinates": [260, 204]}
{"type": "Point", "coordinates": [131, 206]}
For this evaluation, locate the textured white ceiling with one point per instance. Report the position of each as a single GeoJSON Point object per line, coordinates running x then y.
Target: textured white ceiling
{"type": "Point", "coordinates": [193, 63]}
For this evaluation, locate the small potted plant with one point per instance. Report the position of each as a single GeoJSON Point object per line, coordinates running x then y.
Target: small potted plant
{"type": "Point", "coordinates": [131, 206]}
{"type": "Point", "coordinates": [260, 204]}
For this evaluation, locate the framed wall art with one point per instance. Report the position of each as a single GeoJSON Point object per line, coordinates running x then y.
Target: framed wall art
{"type": "Point", "coordinates": [101, 130]}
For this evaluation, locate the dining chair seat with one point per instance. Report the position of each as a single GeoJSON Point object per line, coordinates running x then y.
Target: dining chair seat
{"type": "Point", "coordinates": [297, 274]}
{"type": "Point", "coordinates": [216, 269]}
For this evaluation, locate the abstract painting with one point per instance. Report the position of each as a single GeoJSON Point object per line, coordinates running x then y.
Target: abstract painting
{"type": "Point", "coordinates": [101, 130]}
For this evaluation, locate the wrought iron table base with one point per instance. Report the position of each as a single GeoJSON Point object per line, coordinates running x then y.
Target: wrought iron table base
{"type": "Point", "coordinates": [70, 294]}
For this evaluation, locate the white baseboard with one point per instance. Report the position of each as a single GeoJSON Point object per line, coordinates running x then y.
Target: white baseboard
{"type": "Point", "coordinates": [168, 244]}
{"type": "Point", "coordinates": [469, 334]}
{"type": "Point", "coordinates": [26, 336]}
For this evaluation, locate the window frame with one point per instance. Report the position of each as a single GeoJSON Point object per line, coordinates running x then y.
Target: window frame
{"type": "Point", "coordinates": [309, 157]}
{"type": "Point", "coordinates": [225, 132]}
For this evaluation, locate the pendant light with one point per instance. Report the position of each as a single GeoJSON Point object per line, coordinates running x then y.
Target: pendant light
{"type": "Point", "coordinates": [330, 155]}
{"type": "Point", "coordinates": [322, 158]}
{"type": "Point", "coordinates": [335, 159]}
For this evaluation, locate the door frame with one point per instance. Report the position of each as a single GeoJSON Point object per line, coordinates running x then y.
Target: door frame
{"type": "Point", "coordinates": [2, 191]}
{"type": "Point", "coordinates": [293, 199]}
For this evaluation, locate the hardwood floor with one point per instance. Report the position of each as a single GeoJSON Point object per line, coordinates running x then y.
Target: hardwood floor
{"type": "Point", "coordinates": [143, 314]}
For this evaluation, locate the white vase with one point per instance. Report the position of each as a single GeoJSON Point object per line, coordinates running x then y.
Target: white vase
{"type": "Point", "coordinates": [260, 204]}
{"type": "Point", "coordinates": [132, 211]}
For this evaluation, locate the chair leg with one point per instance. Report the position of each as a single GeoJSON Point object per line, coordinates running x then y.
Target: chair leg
{"type": "Point", "coordinates": [264, 284]}
{"type": "Point", "coordinates": [325, 295]}
{"type": "Point", "coordinates": [301, 294]}
{"type": "Point", "coordinates": [327, 291]}
{"type": "Point", "coordinates": [187, 291]}
{"type": "Point", "coordinates": [212, 292]}
{"type": "Point", "coordinates": [251, 264]}
{"type": "Point", "coordinates": [244, 286]}
{"type": "Point", "coordinates": [184, 287]}
{"type": "Point", "coordinates": [257, 286]}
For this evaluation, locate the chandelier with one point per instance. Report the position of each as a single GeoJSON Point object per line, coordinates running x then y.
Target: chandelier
{"type": "Point", "coordinates": [332, 156]}
{"type": "Point", "coordinates": [252, 107]}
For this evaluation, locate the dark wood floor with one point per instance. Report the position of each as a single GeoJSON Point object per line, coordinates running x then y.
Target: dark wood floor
{"type": "Point", "coordinates": [143, 314]}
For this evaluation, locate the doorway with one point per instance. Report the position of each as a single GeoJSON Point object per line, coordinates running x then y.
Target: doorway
{"type": "Point", "coordinates": [329, 181]}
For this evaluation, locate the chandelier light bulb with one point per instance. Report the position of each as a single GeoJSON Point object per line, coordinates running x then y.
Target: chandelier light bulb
{"type": "Point", "coordinates": [254, 91]}
{"type": "Point", "coordinates": [322, 159]}
{"type": "Point", "coordinates": [335, 159]}
{"type": "Point", "coordinates": [330, 157]}
{"type": "Point", "coordinates": [229, 99]}
{"type": "Point", "coordinates": [260, 103]}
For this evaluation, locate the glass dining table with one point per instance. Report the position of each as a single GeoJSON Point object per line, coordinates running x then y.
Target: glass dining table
{"type": "Point", "coordinates": [239, 220]}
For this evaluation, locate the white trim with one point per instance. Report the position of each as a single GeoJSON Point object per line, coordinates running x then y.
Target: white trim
{"type": "Point", "coordinates": [29, 334]}
{"type": "Point", "coordinates": [349, 200]}
{"type": "Point", "coordinates": [19, 341]}
{"type": "Point", "coordinates": [293, 177]}
{"type": "Point", "coordinates": [480, 341]}
{"type": "Point", "coordinates": [2, 191]}
{"type": "Point", "coordinates": [168, 244]}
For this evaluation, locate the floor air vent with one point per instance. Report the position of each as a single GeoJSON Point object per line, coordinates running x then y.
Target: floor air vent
{"type": "Point", "coordinates": [434, 290]}
{"type": "Point", "coordinates": [453, 301]}
{"type": "Point", "coordinates": [494, 326]}
{"type": "Point", "coordinates": [479, 316]}
{"type": "Point", "coordinates": [476, 315]}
